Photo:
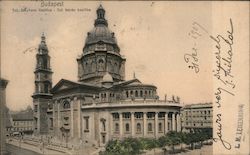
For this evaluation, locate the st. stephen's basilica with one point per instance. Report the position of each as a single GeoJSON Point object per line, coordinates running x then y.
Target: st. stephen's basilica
{"type": "Point", "coordinates": [101, 105]}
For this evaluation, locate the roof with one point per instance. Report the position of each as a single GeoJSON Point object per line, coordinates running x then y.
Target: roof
{"type": "Point", "coordinates": [198, 105]}
{"type": "Point", "coordinates": [101, 31]}
{"type": "Point", "coordinates": [64, 84]}
{"type": "Point", "coordinates": [23, 116]}
{"type": "Point", "coordinates": [134, 82]}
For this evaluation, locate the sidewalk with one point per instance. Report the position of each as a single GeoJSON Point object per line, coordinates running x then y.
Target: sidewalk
{"type": "Point", "coordinates": [36, 147]}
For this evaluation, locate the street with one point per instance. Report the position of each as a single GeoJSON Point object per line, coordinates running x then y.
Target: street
{"type": "Point", "coordinates": [19, 151]}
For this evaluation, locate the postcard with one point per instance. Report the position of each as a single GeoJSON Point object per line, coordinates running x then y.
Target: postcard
{"type": "Point", "coordinates": [125, 77]}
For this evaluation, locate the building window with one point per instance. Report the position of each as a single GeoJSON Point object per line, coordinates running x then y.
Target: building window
{"type": "Point", "coordinates": [127, 127]}
{"type": "Point", "coordinates": [136, 93]}
{"type": "Point", "coordinates": [146, 93]}
{"type": "Point", "coordinates": [115, 116]}
{"type": "Point", "coordinates": [150, 128]}
{"type": "Point", "coordinates": [37, 89]}
{"type": "Point", "coordinates": [66, 104]}
{"type": "Point", "coordinates": [138, 115]}
{"type": "Point", "coordinates": [126, 115]}
{"type": "Point", "coordinates": [103, 139]}
{"type": "Point", "coordinates": [160, 127]}
{"type": "Point", "coordinates": [151, 115]}
{"type": "Point", "coordinates": [116, 127]}
{"type": "Point", "coordinates": [127, 95]}
{"type": "Point", "coordinates": [161, 115]}
{"type": "Point", "coordinates": [46, 88]}
{"type": "Point", "coordinates": [66, 119]}
{"type": "Point", "coordinates": [35, 108]}
{"type": "Point", "coordinates": [141, 93]}
{"type": "Point", "coordinates": [51, 122]}
{"type": "Point", "coordinates": [86, 120]}
{"type": "Point", "coordinates": [103, 126]}
{"type": "Point", "coordinates": [138, 127]}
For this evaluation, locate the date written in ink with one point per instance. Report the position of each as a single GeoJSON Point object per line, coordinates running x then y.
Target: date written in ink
{"type": "Point", "coordinates": [192, 58]}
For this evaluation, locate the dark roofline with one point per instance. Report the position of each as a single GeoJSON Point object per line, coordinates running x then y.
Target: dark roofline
{"type": "Point", "coordinates": [72, 82]}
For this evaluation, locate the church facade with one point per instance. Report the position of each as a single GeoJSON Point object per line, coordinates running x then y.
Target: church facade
{"type": "Point", "coordinates": [101, 105]}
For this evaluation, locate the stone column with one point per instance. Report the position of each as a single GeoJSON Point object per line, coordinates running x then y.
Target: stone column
{"type": "Point", "coordinates": [53, 116]}
{"type": "Point", "coordinates": [78, 100]}
{"type": "Point", "coordinates": [111, 125]}
{"type": "Point", "coordinates": [156, 124]}
{"type": "Point", "coordinates": [133, 123]}
{"type": "Point", "coordinates": [58, 117]}
{"type": "Point", "coordinates": [121, 124]}
{"type": "Point", "coordinates": [178, 121]}
{"type": "Point", "coordinates": [144, 124]}
{"type": "Point", "coordinates": [166, 122]}
{"type": "Point", "coordinates": [72, 117]}
{"type": "Point", "coordinates": [3, 84]}
{"type": "Point", "coordinates": [173, 122]}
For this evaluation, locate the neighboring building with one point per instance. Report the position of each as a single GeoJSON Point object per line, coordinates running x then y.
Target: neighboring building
{"type": "Point", "coordinates": [3, 121]}
{"type": "Point", "coordinates": [101, 105]}
{"type": "Point", "coordinates": [197, 117]}
{"type": "Point", "coordinates": [8, 122]}
{"type": "Point", "coordinates": [22, 122]}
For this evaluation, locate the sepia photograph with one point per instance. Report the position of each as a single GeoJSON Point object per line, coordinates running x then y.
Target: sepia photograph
{"type": "Point", "coordinates": [124, 78]}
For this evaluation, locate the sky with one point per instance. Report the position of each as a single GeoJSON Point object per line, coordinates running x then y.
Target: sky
{"type": "Point", "coordinates": [153, 37]}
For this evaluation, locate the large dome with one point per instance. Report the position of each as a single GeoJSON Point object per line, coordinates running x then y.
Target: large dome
{"type": "Point", "coordinates": [100, 33]}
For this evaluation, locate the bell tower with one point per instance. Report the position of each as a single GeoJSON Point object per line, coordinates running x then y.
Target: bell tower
{"type": "Point", "coordinates": [43, 84]}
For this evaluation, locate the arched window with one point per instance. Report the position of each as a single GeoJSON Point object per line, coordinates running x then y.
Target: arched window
{"type": "Point", "coordinates": [66, 104]}
{"type": "Point", "coordinates": [116, 67]}
{"type": "Point", "coordinates": [136, 93]}
{"type": "Point", "coordinates": [45, 63]}
{"type": "Point", "coordinates": [46, 88]}
{"type": "Point", "coordinates": [127, 127]}
{"type": "Point", "coordinates": [150, 127]}
{"type": "Point", "coordinates": [141, 93]}
{"type": "Point", "coordinates": [37, 88]}
{"type": "Point", "coordinates": [160, 127]}
{"type": "Point", "coordinates": [116, 127]}
{"type": "Point", "coordinates": [138, 127]}
{"type": "Point", "coordinates": [127, 94]}
{"type": "Point", "coordinates": [103, 126]}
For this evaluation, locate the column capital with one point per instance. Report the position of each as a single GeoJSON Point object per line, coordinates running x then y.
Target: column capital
{"type": "Point", "coordinates": [3, 83]}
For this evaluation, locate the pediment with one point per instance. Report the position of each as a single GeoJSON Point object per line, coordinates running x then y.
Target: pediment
{"type": "Point", "coordinates": [63, 85]}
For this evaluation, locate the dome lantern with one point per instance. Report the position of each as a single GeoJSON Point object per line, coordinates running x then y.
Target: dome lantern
{"type": "Point", "coordinates": [100, 17]}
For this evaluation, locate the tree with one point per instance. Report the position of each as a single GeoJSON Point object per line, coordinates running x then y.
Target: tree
{"type": "Point", "coordinates": [173, 138]}
{"type": "Point", "coordinates": [114, 147]}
